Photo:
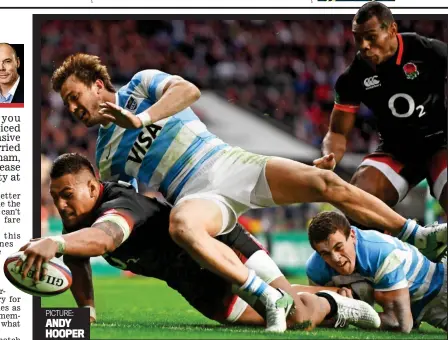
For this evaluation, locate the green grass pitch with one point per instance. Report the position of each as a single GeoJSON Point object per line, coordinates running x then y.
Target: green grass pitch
{"type": "Point", "coordinates": [141, 308]}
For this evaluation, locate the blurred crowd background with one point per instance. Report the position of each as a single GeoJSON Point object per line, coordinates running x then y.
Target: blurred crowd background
{"type": "Point", "coordinates": [282, 70]}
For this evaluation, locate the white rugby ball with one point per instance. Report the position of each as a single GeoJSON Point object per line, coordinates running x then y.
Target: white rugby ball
{"type": "Point", "coordinates": [57, 280]}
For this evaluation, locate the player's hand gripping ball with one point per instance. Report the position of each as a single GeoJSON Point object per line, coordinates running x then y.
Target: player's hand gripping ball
{"type": "Point", "coordinates": [55, 278]}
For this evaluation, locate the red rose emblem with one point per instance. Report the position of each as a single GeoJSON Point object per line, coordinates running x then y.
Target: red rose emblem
{"type": "Point", "coordinates": [410, 70]}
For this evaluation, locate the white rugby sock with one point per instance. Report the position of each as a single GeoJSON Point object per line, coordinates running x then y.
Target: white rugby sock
{"type": "Point", "coordinates": [257, 287]}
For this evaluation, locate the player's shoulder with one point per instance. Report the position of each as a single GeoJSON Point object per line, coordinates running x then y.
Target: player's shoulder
{"type": "Point", "coordinates": [146, 76]}
{"type": "Point", "coordinates": [372, 248]}
{"type": "Point", "coordinates": [419, 44]}
{"type": "Point", "coordinates": [150, 74]}
{"type": "Point", "coordinates": [114, 195]}
{"type": "Point", "coordinates": [356, 70]}
{"type": "Point", "coordinates": [415, 39]}
{"type": "Point", "coordinates": [122, 195]}
{"type": "Point", "coordinates": [318, 270]}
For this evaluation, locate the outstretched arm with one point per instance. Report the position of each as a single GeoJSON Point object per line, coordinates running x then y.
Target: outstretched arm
{"type": "Point", "coordinates": [104, 236]}
{"type": "Point", "coordinates": [171, 94]}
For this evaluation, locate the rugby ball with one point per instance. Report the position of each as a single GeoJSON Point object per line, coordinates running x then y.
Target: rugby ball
{"type": "Point", "coordinates": [57, 280]}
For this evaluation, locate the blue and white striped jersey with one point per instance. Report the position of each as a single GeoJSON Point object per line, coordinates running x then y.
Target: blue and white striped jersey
{"type": "Point", "coordinates": [389, 264]}
{"type": "Point", "coordinates": [164, 155]}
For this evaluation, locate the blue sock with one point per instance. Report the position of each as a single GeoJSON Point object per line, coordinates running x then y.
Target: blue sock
{"type": "Point", "coordinates": [255, 286]}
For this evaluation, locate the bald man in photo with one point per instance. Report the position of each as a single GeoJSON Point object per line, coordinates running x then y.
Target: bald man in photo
{"type": "Point", "coordinates": [11, 86]}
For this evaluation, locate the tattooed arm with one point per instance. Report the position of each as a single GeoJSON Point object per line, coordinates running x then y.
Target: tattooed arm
{"type": "Point", "coordinates": [104, 236]}
{"type": "Point", "coordinates": [101, 238]}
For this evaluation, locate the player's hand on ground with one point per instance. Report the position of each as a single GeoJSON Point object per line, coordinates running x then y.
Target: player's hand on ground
{"type": "Point", "coordinates": [347, 292]}
{"type": "Point", "coordinates": [92, 314]}
{"type": "Point", "coordinates": [36, 253]}
{"type": "Point", "coordinates": [117, 115]}
{"type": "Point", "coordinates": [327, 162]}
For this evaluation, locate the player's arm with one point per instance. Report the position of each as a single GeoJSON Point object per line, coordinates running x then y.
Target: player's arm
{"type": "Point", "coordinates": [95, 241]}
{"type": "Point", "coordinates": [391, 287]}
{"type": "Point", "coordinates": [177, 95]}
{"type": "Point", "coordinates": [341, 124]}
{"type": "Point", "coordinates": [342, 120]}
{"type": "Point", "coordinates": [82, 285]}
{"type": "Point", "coordinates": [396, 315]}
{"type": "Point", "coordinates": [104, 236]}
{"type": "Point", "coordinates": [171, 94]}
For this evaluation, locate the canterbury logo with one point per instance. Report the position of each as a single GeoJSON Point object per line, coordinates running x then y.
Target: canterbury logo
{"type": "Point", "coordinates": [371, 82]}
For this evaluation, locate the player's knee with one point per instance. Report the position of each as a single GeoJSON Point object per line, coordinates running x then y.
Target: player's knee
{"type": "Point", "coordinates": [180, 228]}
{"type": "Point", "coordinates": [375, 183]}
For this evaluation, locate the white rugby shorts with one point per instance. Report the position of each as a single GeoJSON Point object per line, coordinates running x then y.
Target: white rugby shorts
{"type": "Point", "coordinates": [235, 180]}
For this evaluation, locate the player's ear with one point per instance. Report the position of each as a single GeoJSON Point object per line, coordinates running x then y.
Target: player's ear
{"type": "Point", "coordinates": [99, 85]}
{"type": "Point", "coordinates": [92, 188]}
{"type": "Point", "coordinates": [353, 235]}
{"type": "Point", "coordinates": [393, 29]}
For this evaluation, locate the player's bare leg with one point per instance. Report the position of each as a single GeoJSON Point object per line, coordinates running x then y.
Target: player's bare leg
{"type": "Point", "coordinates": [193, 224]}
{"type": "Point", "coordinates": [311, 310]}
{"type": "Point", "coordinates": [374, 182]}
{"type": "Point", "coordinates": [443, 200]}
{"type": "Point", "coordinates": [293, 182]}
{"type": "Point", "coordinates": [437, 168]}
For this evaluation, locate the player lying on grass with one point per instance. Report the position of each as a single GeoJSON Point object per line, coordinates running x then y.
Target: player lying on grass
{"type": "Point", "coordinates": [408, 286]}
{"type": "Point", "coordinates": [131, 232]}
{"type": "Point", "coordinates": [149, 133]}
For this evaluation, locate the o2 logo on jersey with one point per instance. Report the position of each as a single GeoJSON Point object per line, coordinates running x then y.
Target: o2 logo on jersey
{"type": "Point", "coordinates": [143, 143]}
{"type": "Point", "coordinates": [411, 105]}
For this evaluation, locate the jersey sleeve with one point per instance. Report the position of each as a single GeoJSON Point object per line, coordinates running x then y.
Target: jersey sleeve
{"type": "Point", "coordinates": [119, 217]}
{"type": "Point", "coordinates": [150, 83]}
{"type": "Point", "coordinates": [390, 275]}
{"type": "Point", "coordinates": [122, 211]}
{"type": "Point", "coordinates": [347, 95]}
{"type": "Point", "coordinates": [318, 272]}
{"type": "Point", "coordinates": [438, 52]}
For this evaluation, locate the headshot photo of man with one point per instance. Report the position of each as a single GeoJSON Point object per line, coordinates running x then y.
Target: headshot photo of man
{"type": "Point", "coordinates": [11, 75]}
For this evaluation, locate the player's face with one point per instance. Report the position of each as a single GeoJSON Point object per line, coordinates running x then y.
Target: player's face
{"type": "Point", "coordinates": [74, 195]}
{"type": "Point", "coordinates": [8, 65]}
{"type": "Point", "coordinates": [375, 39]}
{"type": "Point", "coordinates": [83, 101]}
{"type": "Point", "coordinates": [339, 252]}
